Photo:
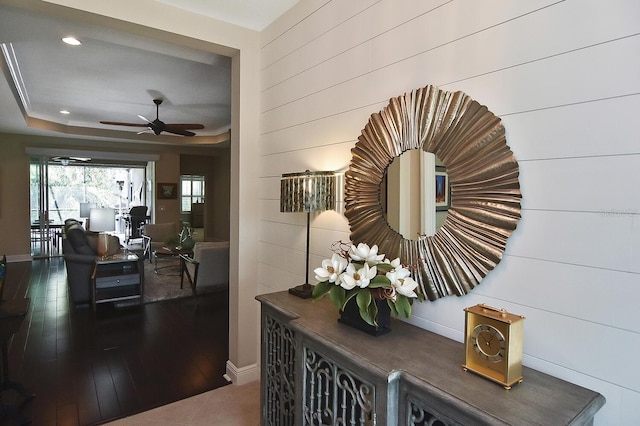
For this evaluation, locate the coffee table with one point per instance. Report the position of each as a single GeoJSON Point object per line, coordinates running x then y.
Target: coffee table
{"type": "Point", "coordinates": [168, 253]}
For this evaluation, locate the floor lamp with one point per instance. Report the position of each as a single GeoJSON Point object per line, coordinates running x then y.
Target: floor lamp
{"type": "Point", "coordinates": [307, 192]}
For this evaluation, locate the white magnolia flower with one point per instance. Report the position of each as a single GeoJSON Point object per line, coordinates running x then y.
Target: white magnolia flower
{"type": "Point", "coordinates": [364, 253]}
{"type": "Point", "coordinates": [395, 263]}
{"type": "Point", "coordinates": [404, 286]}
{"type": "Point", "coordinates": [331, 269]}
{"type": "Point", "coordinates": [400, 273]}
{"type": "Point", "coordinates": [360, 277]}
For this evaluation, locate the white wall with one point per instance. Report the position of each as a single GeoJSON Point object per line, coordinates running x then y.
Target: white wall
{"type": "Point", "coordinates": [565, 78]}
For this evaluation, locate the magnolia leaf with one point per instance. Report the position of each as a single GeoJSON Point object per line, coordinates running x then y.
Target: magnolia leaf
{"type": "Point", "coordinates": [373, 313]}
{"type": "Point", "coordinates": [384, 267]}
{"type": "Point", "coordinates": [379, 281]}
{"type": "Point", "coordinates": [337, 295]}
{"type": "Point", "coordinates": [350, 295]}
{"type": "Point", "coordinates": [403, 306]}
{"type": "Point", "coordinates": [321, 289]}
{"type": "Point", "coordinates": [368, 309]}
{"type": "Point", "coordinates": [394, 310]}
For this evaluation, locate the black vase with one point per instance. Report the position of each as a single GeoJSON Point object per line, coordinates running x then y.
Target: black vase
{"type": "Point", "coordinates": [351, 317]}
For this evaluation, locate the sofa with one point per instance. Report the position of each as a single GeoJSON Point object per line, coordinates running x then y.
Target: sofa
{"type": "Point", "coordinates": [80, 251]}
{"type": "Point", "coordinates": [208, 269]}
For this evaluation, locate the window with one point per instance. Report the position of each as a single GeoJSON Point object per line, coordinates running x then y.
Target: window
{"type": "Point", "coordinates": [191, 191]}
{"type": "Point", "coordinates": [116, 186]}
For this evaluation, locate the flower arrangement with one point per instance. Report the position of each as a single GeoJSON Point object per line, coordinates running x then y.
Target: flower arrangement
{"type": "Point", "coordinates": [360, 272]}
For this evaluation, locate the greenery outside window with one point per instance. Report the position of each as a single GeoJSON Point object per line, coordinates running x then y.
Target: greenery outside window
{"type": "Point", "coordinates": [69, 185]}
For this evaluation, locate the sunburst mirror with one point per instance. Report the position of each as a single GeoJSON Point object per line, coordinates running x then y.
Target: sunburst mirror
{"type": "Point", "coordinates": [483, 175]}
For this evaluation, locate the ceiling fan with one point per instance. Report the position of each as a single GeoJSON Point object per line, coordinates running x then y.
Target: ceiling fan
{"type": "Point", "coordinates": [65, 161]}
{"type": "Point", "coordinates": [158, 126]}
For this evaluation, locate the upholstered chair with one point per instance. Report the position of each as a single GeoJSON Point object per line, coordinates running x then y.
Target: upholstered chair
{"type": "Point", "coordinates": [208, 269]}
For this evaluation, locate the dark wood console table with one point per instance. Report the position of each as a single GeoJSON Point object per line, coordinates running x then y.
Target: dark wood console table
{"type": "Point", "coordinates": [318, 371]}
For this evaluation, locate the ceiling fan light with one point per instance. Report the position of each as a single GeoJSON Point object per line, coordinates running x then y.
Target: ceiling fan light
{"type": "Point", "coordinates": [71, 41]}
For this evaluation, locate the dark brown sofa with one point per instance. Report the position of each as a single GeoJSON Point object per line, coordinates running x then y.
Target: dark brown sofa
{"type": "Point", "coordinates": [80, 250]}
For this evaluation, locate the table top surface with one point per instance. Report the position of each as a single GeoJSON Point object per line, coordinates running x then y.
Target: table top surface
{"type": "Point", "coordinates": [171, 251]}
{"type": "Point", "coordinates": [436, 361]}
{"type": "Point", "coordinates": [51, 225]}
{"type": "Point", "coordinates": [117, 258]}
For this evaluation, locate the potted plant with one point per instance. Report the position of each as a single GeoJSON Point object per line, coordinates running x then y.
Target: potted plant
{"type": "Point", "coordinates": [366, 287]}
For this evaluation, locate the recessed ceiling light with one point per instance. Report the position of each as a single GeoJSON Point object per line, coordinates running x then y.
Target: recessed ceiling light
{"type": "Point", "coordinates": [72, 41]}
{"type": "Point", "coordinates": [64, 111]}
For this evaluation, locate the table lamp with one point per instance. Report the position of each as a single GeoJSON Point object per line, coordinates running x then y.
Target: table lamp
{"type": "Point", "coordinates": [85, 210]}
{"type": "Point", "coordinates": [307, 192]}
{"type": "Point", "coordinates": [102, 220]}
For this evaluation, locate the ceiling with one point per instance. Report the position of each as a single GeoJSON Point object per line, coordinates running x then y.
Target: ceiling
{"type": "Point", "coordinates": [115, 76]}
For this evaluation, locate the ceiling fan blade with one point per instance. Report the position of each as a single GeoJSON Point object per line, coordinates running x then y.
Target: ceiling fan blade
{"type": "Point", "coordinates": [65, 161]}
{"type": "Point", "coordinates": [117, 123]}
{"type": "Point", "coordinates": [180, 132]}
{"type": "Point", "coordinates": [157, 126]}
{"type": "Point", "coordinates": [184, 126]}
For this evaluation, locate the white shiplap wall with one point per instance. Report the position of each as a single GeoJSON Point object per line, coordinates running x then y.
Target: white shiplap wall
{"type": "Point", "coordinates": [565, 78]}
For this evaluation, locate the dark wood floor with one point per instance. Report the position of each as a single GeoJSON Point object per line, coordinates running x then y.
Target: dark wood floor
{"type": "Point", "coordinates": [89, 367]}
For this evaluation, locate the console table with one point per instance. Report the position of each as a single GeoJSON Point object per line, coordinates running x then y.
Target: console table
{"type": "Point", "coordinates": [315, 370]}
{"type": "Point", "coordinates": [116, 278]}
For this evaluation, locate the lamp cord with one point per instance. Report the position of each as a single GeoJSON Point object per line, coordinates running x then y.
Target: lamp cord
{"type": "Point", "coordinates": [307, 275]}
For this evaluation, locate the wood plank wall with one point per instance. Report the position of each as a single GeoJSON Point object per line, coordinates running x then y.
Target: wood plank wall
{"type": "Point", "coordinates": [565, 78]}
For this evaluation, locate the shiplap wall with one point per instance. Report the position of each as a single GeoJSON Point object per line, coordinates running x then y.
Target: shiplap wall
{"type": "Point", "coordinates": [565, 78]}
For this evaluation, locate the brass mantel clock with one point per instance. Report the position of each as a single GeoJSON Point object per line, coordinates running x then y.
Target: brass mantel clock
{"type": "Point", "coordinates": [493, 344]}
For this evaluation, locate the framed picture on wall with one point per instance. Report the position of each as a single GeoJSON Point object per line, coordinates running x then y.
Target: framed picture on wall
{"type": "Point", "coordinates": [443, 191]}
{"type": "Point", "coordinates": [167, 191]}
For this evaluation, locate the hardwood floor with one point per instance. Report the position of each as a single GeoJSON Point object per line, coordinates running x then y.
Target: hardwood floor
{"type": "Point", "coordinates": [88, 367]}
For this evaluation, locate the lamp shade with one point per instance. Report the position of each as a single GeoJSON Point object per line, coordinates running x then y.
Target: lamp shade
{"type": "Point", "coordinates": [307, 191]}
{"type": "Point", "coordinates": [102, 220]}
{"type": "Point", "coordinates": [85, 208]}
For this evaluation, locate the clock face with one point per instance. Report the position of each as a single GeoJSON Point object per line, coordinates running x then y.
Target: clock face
{"type": "Point", "coordinates": [488, 342]}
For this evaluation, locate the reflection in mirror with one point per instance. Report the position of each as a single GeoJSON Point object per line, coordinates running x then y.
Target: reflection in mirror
{"type": "Point", "coordinates": [415, 194]}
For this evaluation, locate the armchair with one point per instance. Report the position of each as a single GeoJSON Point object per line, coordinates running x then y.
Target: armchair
{"type": "Point", "coordinates": [157, 235]}
{"type": "Point", "coordinates": [209, 267]}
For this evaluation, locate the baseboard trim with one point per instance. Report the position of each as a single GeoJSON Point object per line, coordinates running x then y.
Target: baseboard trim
{"type": "Point", "coordinates": [243, 375]}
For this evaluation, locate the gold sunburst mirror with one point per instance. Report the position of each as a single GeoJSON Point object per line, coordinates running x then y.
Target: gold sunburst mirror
{"type": "Point", "coordinates": [483, 175]}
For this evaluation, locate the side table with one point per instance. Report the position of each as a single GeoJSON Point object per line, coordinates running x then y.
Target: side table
{"type": "Point", "coordinates": [117, 278]}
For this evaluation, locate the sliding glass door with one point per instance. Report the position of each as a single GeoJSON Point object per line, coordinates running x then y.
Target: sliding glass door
{"type": "Point", "coordinates": [60, 191]}
{"type": "Point", "coordinates": [42, 229]}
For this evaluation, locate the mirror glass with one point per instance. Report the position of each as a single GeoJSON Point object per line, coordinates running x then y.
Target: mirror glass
{"type": "Point", "coordinates": [414, 194]}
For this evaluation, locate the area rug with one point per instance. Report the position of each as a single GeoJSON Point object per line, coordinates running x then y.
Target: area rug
{"type": "Point", "coordinates": [164, 284]}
